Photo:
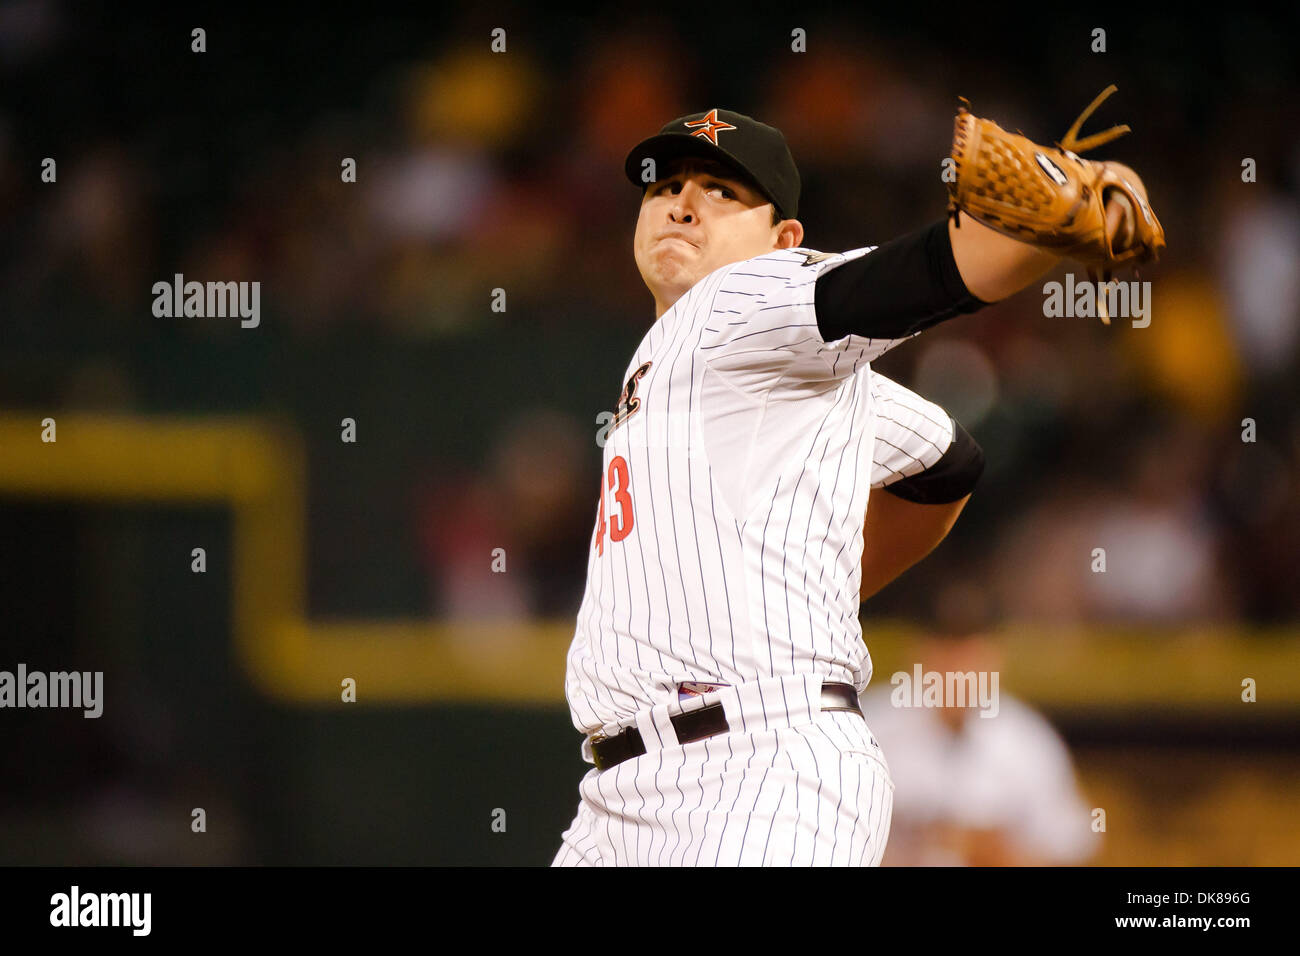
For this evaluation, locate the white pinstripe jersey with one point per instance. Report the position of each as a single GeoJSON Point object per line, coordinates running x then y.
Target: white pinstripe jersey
{"type": "Point", "coordinates": [728, 540]}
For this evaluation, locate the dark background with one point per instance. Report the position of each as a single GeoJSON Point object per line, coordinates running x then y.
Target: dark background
{"type": "Point", "coordinates": [479, 171]}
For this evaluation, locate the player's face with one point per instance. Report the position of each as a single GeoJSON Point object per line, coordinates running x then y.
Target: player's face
{"type": "Point", "coordinates": [696, 218]}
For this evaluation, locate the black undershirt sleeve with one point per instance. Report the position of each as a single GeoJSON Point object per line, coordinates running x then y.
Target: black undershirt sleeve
{"type": "Point", "coordinates": [906, 285]}
{"type": "Point", "coordinates": [949, 479]}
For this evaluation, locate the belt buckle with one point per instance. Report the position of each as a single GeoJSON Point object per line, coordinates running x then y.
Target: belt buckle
{"type": "Point", "coordinates": [597, 738]}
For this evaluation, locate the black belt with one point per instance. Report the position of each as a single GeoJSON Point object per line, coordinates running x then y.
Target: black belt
{"type": "Point", "coordinates": [698, 724]}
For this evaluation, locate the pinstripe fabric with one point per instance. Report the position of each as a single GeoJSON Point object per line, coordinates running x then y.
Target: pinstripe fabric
{"type": "Point", "coordinates": [813, 793]}
{"type": "Point", "coordinates": [745, 551]}
{"type": "Point", "coordinates": [737, 476]}
{"type": "Point", "coordinates": [911, 433]}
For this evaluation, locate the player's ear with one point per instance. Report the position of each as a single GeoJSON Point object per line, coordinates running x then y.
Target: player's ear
{"type": "Point", "coordinates": [789, 234]}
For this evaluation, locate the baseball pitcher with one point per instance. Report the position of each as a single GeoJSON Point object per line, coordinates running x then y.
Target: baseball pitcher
{"type": "Point", "coordinates": [718, 656]}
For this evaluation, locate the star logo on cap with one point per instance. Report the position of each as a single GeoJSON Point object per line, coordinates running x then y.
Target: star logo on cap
{"type": "Point", "coordinates": [709, 126]}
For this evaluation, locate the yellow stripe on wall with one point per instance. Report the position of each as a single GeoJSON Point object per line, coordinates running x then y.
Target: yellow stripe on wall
{"type": "Point", "coordinates": [256, 466]}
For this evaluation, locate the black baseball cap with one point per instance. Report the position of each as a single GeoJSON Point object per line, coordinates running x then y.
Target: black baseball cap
{"type": "Point", "coordinates": [756, 151]}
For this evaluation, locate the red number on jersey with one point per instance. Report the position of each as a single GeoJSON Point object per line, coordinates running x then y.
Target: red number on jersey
{"type": "Point", "coordinates": [618, 467]}
{"type": "Point", "coordinates": [619, 481]}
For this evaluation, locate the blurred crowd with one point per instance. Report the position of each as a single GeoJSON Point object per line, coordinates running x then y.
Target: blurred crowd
{"type": "Point", "coordinates": [1174, 448]}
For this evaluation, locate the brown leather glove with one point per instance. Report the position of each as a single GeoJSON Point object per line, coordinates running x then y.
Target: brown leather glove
{"type": "Point", "coordinates": [1049, 196]}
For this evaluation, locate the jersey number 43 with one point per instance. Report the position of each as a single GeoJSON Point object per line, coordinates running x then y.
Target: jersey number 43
{"type": "Point", "coordinates": [620, 525]}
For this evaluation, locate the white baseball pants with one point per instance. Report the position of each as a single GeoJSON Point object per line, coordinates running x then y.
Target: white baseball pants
{"type": "Point", "coordinates": [790, 785]}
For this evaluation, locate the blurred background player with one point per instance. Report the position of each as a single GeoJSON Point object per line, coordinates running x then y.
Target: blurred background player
{"type": "Point", "coordinates": [971, 789]}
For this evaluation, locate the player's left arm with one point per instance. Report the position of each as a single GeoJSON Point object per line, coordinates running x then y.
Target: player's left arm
{"type": "Point", "coordinates": [994, 267]}
{"type": "Point", "coordinates": [951, 267]}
